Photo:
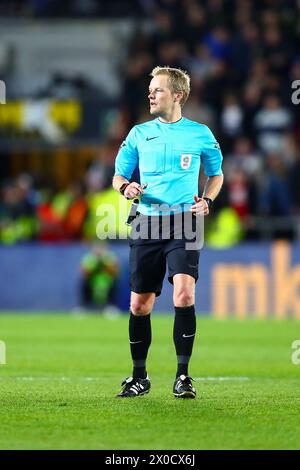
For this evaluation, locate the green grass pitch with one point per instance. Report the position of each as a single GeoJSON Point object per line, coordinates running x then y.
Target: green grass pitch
{"type": "Point", "coordinates": [62, 372]}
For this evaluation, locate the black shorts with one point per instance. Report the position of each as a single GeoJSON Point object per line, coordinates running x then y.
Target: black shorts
{"type": "Point", "coordinates": [149, 259]}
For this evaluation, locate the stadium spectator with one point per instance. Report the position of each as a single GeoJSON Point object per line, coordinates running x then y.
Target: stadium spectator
{"type": "Point", "coordinates": [17, 217]}
{"type": "Point", "coordinates": [99, 272]}
{"type": "Point", "coordinates": [240, 193]}
{"type": "Point", "coordinates": [76, 212]}
{"type": "Point", "coordinates": [294, 185]}
{"type": "Point", "coordinates": [275, 195]}
{"type": "Point", "coordinates": [50, 222]}
{"type": "Point", "coordinates": [245, 158]}
{"type": "Point", "coordinates": [271, 121]}
{"type": "Point", "coordinates": [62, 214]}
{"type": "Point", "coordinates": [231, 117]}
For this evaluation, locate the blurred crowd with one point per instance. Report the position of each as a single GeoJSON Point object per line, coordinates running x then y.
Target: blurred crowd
{"type": "Point", "coordinates": [72, 8]}
{"type": "Point", "coordinates": [243, 57]}
{"type": "Point", "coordinates": [30, 210]}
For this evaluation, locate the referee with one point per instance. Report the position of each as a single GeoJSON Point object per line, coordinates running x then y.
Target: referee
{"type": "Point", "coordinates": [168, 151]}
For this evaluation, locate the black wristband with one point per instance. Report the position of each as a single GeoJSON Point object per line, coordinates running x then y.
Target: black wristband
{"type": "Point", "coordinates": [122, 188]}
{"type": "Point", "coordinates": [208, 201]}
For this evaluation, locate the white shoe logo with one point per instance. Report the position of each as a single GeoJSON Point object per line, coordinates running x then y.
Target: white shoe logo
{"type": "Point", "coordinates": [135, 342]}
{"type": "Point", "coordinates": [188, 336]}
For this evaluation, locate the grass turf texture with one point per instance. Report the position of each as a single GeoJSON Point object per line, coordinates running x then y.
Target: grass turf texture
{"type": "Point", "coordinates": [57, 390]}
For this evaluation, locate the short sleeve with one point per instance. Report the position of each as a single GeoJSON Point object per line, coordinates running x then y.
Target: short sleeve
{"type": "Point", "coordinates": [127, 157]}
{"type": "Point", "coordinates": [211, 155]}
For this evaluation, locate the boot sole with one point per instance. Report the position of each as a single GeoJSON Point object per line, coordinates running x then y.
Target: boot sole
{"type": "Point", "coordinates": [185, 395]}
{"type": "Point", "coordinates": [133, 396]}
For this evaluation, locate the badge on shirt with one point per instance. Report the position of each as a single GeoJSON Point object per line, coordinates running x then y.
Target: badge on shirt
{"type": "Point", "coordinates": [185, 162]}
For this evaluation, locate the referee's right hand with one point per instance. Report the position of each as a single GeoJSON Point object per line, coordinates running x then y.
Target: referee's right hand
{"type": "Point", "coordinates": [133, 190]}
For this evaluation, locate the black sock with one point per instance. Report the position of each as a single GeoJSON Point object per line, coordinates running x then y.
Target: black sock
{"type": "Point", "coordinates": [184, 335]}
{"type": "Point", "coordinates": [140, 340]}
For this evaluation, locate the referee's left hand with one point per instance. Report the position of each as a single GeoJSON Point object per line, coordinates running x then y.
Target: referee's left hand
{"type": "Point", "coordinates": [200, 207]}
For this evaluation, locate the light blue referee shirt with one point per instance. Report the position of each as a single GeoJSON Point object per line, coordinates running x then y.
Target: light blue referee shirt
{"type": "Point", "coordinates": [169, 156]}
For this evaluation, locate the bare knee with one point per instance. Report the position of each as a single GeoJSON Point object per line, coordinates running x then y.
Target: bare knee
{"type": "Point", "coordinates": [183, 298]}
{"type": "Point", "coordinates": [141, 305]}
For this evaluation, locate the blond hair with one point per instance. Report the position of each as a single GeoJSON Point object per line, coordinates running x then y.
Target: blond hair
{"type": "Point", "coordinates": [179, 80]}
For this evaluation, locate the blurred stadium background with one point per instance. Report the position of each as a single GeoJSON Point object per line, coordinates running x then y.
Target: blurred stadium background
{"type": "Point", "coordinates": [76, 76]}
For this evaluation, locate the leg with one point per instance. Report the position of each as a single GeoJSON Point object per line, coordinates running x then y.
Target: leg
{"type": "Point", "coordinates": [183, 274]}
{"type": "Point", "coordinates": [140, 340]}
{"type": "Point", "coordinates": [147, 270]}
{"type": "Point", "coordinates": [184, 290]}
{"type": "Point", "coordinates": [142, 304]}
{"type": "Point", "coordinates": [112, 293]}
{"type": "Point", "coordinates": [140, 331]}
{"type": "Point", "coordinates": [184, 333]}
{"type": "Point", "coordinates": [85, 293]}
{"type": "Point", "coordinates": [185, 320]}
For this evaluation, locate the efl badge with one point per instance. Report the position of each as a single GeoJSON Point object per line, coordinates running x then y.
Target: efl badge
{"type": "Point", "coordinates": [185, 162]}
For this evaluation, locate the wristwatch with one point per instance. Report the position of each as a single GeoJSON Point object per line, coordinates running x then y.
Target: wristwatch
{"type": "Point", "coordinates": [208, 201]}
{"type": "Point", "coordinates": [122, 188]}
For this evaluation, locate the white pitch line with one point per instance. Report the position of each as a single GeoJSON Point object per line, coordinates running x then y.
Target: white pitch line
{"type": "Point", "coordinates": [220, 379]}
{"type": "Point", "coordinates": [62, 379]}
{"type": "Point", "coordinates": [91, 379]}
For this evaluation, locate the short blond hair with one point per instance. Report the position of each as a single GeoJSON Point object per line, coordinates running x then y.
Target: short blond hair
{"type": "Point", "coordinates": [179, 80]}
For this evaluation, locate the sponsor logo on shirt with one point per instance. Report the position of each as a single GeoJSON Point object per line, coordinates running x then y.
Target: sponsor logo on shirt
{"type": "Point", "coordinates": [185, 162]}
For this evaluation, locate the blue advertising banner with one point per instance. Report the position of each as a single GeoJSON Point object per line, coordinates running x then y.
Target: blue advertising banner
{"type": "Point", "coordinates": [260, 280]}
